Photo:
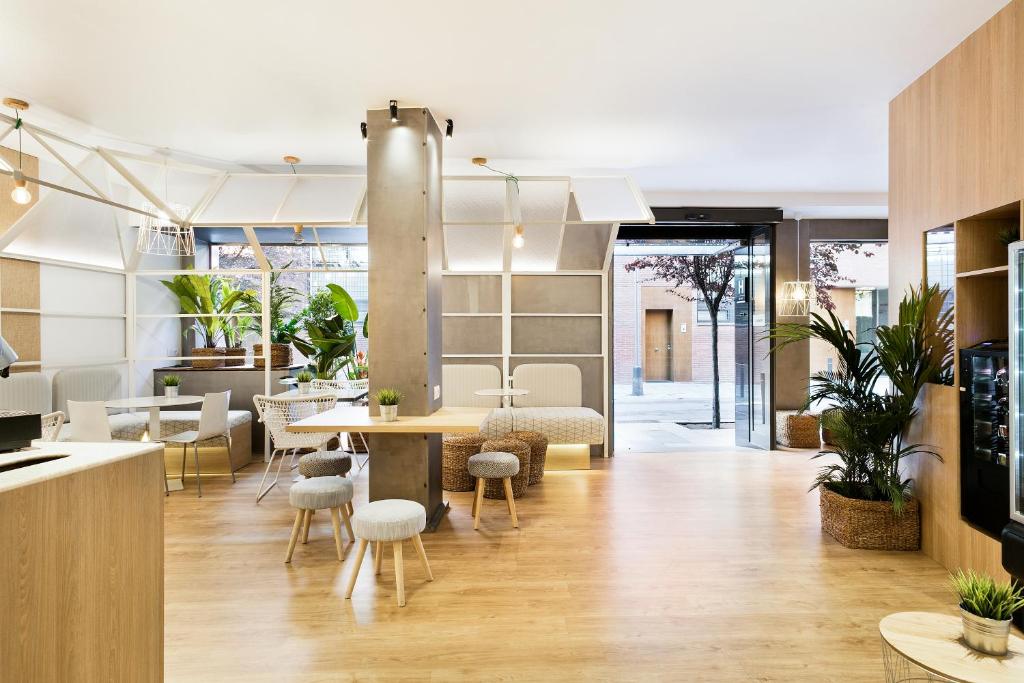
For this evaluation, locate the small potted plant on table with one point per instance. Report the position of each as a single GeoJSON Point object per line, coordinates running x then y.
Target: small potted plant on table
{"type": "Point", "coordinates": [986, 608]}
{"type": "Point", "coordinates": [388, 399]}
{"type": "Point", "coordinates": [171, 384]}
{"type": "Point", "coordinates": [303, 378]}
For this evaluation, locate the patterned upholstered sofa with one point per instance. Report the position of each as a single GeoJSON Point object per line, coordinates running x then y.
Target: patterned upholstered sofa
{"type": "Point", "coordinates": [553, 407]}
{"type": "Point", "coordinates": [34, 392]}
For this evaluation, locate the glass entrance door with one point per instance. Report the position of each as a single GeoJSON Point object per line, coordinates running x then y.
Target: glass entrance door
{"type": "Point", "coordinates": [753, 291]}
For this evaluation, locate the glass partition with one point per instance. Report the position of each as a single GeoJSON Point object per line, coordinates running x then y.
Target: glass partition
{"type": "Point", "coordinates": [1017, 383]}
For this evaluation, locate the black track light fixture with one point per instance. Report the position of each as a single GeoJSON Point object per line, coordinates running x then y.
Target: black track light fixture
{"type": "Point", "coordinates": [449, 129]}
{"type": "Point", "coordinates": [362, 129]}
{"type": "Point", "coordinates": [393, 108]}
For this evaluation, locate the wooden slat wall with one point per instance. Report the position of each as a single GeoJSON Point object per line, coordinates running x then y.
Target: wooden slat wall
{"type": "Point", "coordinates": [955, 142]}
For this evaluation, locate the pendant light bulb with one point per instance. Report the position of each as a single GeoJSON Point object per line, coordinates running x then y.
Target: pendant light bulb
{"type": "Point", "coordinates": [20, 194]}
{"type": "Point", "coordinates": [518, 240]}
{"type": "Point", "coordinates": [298, 239]}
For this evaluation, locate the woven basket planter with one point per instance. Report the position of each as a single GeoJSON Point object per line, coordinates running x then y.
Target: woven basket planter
{"type": "Point", "coordinates": [870, 524]}
{"type": "Point", "coordinates": [495, 488]}
{"type": "Point", "coordinates": [826, 434]}
{"type": "Point", "coordinates": [455, 453]}
{"type": "Point", "coordinates": [538, 444]}
{"type": "Point", "coordinates": [797, 430]}
{"type": "Point", "coordinates": [234, 356]}
{"type": "Point", "coordinates": [215, 360]}
{"type": "Point", "coordinates": [280, 355]}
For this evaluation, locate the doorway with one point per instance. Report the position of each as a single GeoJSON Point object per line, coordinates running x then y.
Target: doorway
{"type": "Point", "coordinates": [657, 345]}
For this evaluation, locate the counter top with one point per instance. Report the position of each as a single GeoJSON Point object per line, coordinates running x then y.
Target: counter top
{"type": "Point", "coordinates": [358, 419]}
{"type": "Point", "coordinates": [80, 456]}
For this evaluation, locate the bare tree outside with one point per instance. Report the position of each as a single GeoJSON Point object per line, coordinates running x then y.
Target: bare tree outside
{"type": "Point", "coordinates": [699, 277]}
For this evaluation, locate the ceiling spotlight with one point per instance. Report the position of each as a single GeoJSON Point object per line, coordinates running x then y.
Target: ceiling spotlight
{"type": "Point", "coordinates": [393, 108]}
{"type": "Point", "coordinates": [449, 128]}
{"type": "Point", "coordinates": [20, 194]}
{"type": "Point", "coordinates": [362, 129]}
{"type": "Point", "coordinates": [518, 240]}
{"type": "Point", "coordinates": [298, 239]}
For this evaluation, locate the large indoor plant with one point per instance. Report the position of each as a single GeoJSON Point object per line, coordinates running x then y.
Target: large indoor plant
{"type": "Point", "coordinates": [282, 298]}
{"type": "Point", "coordinates": [865, 499]}
{"type": "Point", "coordinates": [329, 341]}
{"type": "Point", "coordinates": [986, 609]}
{"type": "Point", "coordinates": [209, 299]}
{"type": "Point", "coordinates": [236, 327]}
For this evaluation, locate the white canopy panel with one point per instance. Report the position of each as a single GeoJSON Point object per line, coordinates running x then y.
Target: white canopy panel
{"type": "Point", "coordinates": [262, 199]}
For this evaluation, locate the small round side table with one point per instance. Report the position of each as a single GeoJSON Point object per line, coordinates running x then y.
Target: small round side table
{"type": "Point", "coordinates": [925, 646]}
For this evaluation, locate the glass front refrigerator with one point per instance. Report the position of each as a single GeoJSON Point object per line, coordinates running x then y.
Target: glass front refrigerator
{"type": "Point", "coordinates": [1013, 533]}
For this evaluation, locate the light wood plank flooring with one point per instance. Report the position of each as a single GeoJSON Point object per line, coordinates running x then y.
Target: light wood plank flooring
{"type": "Point", "coordinates": [696, 566]}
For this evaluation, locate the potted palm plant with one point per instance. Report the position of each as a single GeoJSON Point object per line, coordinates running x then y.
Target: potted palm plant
{"type": "Point", "coordinates": [282, 297]}
{"type": "Point", "coordinates": [204, 297]}
{"type": "Point", "coordinates": [865, 500]}
{"type": "Point", "coordinates": [987, 608]}
{"type": "Point", "coordinates": [329, 342]}
{"type": "Point", "coordinates": [236, 327]}
{"type": "Point", "coordinates": [388, 400]}
{"type": "Point", "coordinates": [171, 384]}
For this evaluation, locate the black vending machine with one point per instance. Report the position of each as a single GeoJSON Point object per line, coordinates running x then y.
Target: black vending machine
{"type": "Point", "coordinates": [985, 436]}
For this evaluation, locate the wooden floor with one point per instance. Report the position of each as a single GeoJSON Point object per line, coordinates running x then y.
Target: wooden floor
{"type": "Point", "coordinates": [696, 567]}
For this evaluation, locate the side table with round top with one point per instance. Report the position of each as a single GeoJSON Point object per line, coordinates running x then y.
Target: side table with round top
{"type": "Point", "coordinates": [505, 394]}
{"type": "Point", "coordinates": [916, 642]}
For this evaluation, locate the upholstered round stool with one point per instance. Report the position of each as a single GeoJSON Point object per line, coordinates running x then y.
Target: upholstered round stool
{"type": "Point", "coordinates": [538, 444]}
{"type": "Point", "coordinates": [455, 453]}
{"type": "Point", "coordinates": [494, 466]}
{"type": "Point", "coordinates": [325, 464]}
{"type": "Point", "coordinates": [521, 480]}
{"type": "Point", "coordinates": [320, 493]}
{"type": "Point", "coordinates": [389, 521]}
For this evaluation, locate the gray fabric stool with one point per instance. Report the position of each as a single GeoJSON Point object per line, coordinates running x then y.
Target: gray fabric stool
{"type": "Point", "coordinates": [320, 493]}
{"type": "Point", "coordinates": [389, 521]}
{"type": "Point", "coordinates": [492, 465]}
{"type": "Point", "coordinates": [325, 464]}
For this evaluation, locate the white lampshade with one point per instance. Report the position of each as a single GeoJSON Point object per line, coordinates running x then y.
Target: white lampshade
{"type": "Point", "coordinates": [164, 237]}
{"type": "Point", "coordinates": [796, 298]}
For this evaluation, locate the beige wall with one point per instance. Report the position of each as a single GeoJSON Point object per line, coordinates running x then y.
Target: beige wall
{"type": "Point", "coordinates": [845, 299]}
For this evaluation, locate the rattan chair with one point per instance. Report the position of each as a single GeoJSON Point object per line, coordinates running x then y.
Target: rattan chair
{"type": "Point", "coordinates": [318, 385]}
{"type": "Point", "coordinates": [277, 414]}
{"type": "Point", "coordinates": [51, 424]}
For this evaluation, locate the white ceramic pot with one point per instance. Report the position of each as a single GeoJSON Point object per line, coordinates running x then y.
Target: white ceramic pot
{"type": "Point", "coordinates": [304, 387]}
{"type": "Point", "coordinates": [389, 413]}
{"type": "Point", "coordinates": [986, 635]}
{"type": "Point", "coordinates": [171, 392]}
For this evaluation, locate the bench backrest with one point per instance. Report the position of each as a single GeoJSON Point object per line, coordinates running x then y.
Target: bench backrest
{"type": "Point", "coordinates": [551, 385]}
{"type": "Point", "coordinates": [28, 391]}
{"type": "Point", "coordinates": [458, 382]}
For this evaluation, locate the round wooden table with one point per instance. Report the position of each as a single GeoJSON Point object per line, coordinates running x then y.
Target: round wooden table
{"type": "Point", "coordinates": [913, 642]}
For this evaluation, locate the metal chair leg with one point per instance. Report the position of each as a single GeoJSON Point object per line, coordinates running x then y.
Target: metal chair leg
{"type": "Point", "coordinates": [260, 492]}
{"type": "Point", "coordinates": [199, 484]}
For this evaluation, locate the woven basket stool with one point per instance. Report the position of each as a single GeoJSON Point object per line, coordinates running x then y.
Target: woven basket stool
{"type": "Point", "coordinates": [495, 489]}
{"type": "Point", "coordinates": [797, 430]}
{"type": "Point", "coordinates": [538, 444]}
{"type": "Point", "coordinates": [325, 464]}
{"type": "Point", "coordinates": [455, 453]}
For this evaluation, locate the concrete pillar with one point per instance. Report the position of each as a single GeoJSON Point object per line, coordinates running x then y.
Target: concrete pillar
{"type": "Point", "coordinates": [403, 164]}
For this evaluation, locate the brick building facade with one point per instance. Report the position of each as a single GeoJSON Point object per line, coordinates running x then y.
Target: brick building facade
{"type": "Point", "coordinates": [691, 358]}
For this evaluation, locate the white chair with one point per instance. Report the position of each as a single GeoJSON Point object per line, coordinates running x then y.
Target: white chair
{"type": "Point", "coordinates": [277, 413]}
{"type": "Point", "coordinates": [51, 424]}
{"type": "Point", "coordinates": [213, 423]}
{"type": "Point", "coordinates": [88, 421]}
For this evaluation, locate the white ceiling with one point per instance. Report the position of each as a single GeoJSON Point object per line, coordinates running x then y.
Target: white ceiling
{"type": "Point", "coordinates": [692, 98]}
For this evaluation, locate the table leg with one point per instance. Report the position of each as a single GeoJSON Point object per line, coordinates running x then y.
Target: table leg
{"type": "Point", "coordinates": [154, 435]}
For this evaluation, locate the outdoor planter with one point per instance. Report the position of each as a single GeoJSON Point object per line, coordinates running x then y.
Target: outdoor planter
{"type": "Point", "coordinates": [870, 524]}
{"type": "Point", "coordinates": [280, 355]}
{"type": "Point", "coordinates": [234, 356]}
{"type": "Point", "coordinates": [215, 360]}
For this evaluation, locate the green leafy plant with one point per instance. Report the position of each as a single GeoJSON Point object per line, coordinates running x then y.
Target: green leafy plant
{"type": "Point", "coordinates": [329, 343]}
{"type": "Point", "coordinates": [171, 380]}
{"type": "Point", "coordinates": [282, 298]}
{"type": "Point", "coordinates": [1008, 235]}
{"type": "Point", "coordinates": [868, 425]}
{"type": "Point", "coordinates": [208, 297]}
{"type": "Point", "coordinates": [303, 376]}
{"type": "Point", "coordinates": [980, 595]}
{"type": "Point", "coordinates": [389, 397]}
{"type": "Point", "coordinates": [236, 327]}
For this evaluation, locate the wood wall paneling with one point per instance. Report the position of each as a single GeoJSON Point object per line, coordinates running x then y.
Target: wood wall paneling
{"type": "Point", "coordinates": [955, 141]}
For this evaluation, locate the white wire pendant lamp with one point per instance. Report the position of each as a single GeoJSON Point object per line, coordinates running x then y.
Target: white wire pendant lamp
{"type": "Point", "coordinates": [160, 235]}
{"type": "Point", "coordinates": [796, 294]}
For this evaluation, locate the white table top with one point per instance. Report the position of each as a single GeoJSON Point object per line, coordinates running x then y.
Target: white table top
{"type": "Point", "coordinates": [358, 419]}
{"type": "Point", "coordinates": [935, 643]}
{"type": "Point", "coordinates": [80, 456]}
{"type": "Point", "coordinates": [347, 395]}
{"type": "Point", "coordinates": [153, 402]}
{"type": "Point", "coordinates": [501, 392]}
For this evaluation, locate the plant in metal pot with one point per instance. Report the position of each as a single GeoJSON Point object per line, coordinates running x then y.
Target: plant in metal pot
{"type": "Point", "coordinates": [863, 491]}
{"type": "Point", "coordinates": [388, 400]}
{"type": "Point", "coordinates": [986, 608]}
{"type": "Point", "coordinates": [171, 384]}
{"type": "Point", "coordinates": [329, 343]}
{"type": "Point", "coordinates": [303, 378]}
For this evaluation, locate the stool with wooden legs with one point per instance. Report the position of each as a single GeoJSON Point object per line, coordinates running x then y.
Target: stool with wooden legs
{"type": "Point", "coordinates": [486, 466]}
{"type": "Point", "coordinates": [320, 493]}
{"type": "Point", "coordinates": [389, 521]}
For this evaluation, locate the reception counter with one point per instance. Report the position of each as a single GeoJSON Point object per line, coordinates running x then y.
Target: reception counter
{"type": "Point", "coordinates": [81, 563]}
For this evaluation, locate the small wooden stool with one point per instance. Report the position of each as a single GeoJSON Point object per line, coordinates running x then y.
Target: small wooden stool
{"type": "Point", "coordinates": [486, 466]}
{"type": "Point", "coordinates": [389, 521]}
{"type": "Point", "coordinates": [320, 493]}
